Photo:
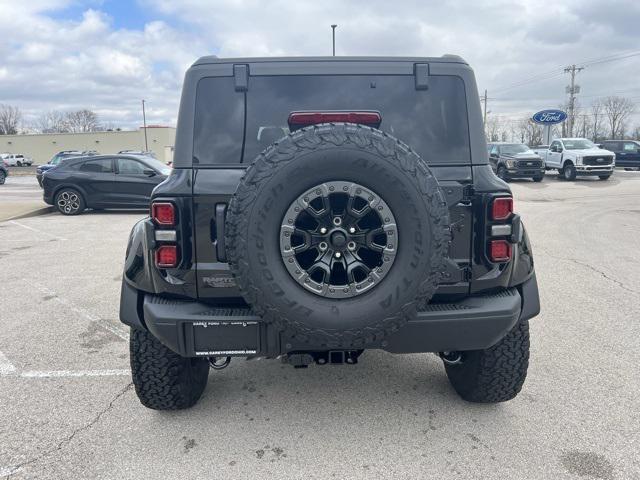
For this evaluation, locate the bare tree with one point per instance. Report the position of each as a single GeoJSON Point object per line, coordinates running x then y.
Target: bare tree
{"type": "Point", "coordinates": [582, 126]}
{"type": "Point", "coordinates": [492, 129]}
{"type": "Point", "coordinates": [53, 121]}
{"type": "Point", "coordinates": [529, 132]}
{"type": "Point", "coordinates": [597, 118]}
{"type": "Point", "coordinates": [618, 110]}
{"type": "Point", "coordinates": [9, 119]}
{"type": "Point", "coordinates": [82, 121]}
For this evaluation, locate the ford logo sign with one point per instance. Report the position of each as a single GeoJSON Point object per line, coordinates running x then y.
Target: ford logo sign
{"type": "Point", "coordinates": [549, 117]}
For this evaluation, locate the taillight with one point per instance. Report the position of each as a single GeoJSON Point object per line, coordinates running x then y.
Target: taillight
{"type": "Point", "coordinates": [501, 212]}
{"type": "Point", "coordinates": [500, 251]}
{"type": "Point", "coordinates": [501, 208]}
{"type": "Point", "coordinates": [298, 120]}
{"type": "Point", "coordinates": [163, 213]}
{"type": "Point", "coordinates": [167, 256]}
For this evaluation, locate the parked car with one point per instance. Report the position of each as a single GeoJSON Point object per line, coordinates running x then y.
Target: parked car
{"type": "Point", "coordinates": [332, 232]}
{"type": "Point", "coordinates": [578, 156]}
{"type": "Point", "coordinates": [627, 152]}
{"type": "Point", "coordinates": [56, 159]}
{"type": "Point", "coordinates": [15, 160]}
{"type": "Point", "coordinates": [146, 153]}
{"type": "Point", "coordinates": [103, 181]}
{"type": "Point", "coordinates": [3, 173]}
{"type": "Point", "coordinates": [515, 160]}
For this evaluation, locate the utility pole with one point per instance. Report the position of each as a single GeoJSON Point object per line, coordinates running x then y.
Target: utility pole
{"type": "Point", "coordinates": [572, 90]}
{"type": "Point", "coordinates": [333, 34]}
{"type": "Point", "coordinates": [144, 123]}
{"type": "Point", "coordinates": [484, 101]}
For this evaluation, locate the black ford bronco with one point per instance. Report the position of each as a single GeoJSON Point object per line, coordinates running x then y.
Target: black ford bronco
{"type": "Point", "coordinates": [319, 207]}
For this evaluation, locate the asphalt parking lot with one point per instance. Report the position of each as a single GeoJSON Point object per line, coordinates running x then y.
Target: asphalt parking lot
{"type": "Point", "coordinates": [68, 409]}
{"type": "Point", "coordinates": [19, 196]}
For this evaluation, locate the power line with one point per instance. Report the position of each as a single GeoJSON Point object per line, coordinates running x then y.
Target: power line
{"type": "Point", "coordinates": [558, 71]}
{"type": "Point", "coordinates": [612, 58]}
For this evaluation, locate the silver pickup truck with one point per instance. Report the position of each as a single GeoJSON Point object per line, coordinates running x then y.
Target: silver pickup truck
{"type": "Point", "coordinates": [577, 156]}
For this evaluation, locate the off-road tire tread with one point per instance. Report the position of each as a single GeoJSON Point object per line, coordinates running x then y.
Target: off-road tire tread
{"type": "Point", "coordinates": [495, 374]}
{"type": "Point", "coordinates": [287, 150]}
{"type": "Point", "coordinates": [164, 380]}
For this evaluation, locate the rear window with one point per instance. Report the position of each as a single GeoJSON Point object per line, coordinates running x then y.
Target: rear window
{"type": "Point", "coordinates": [219, 122]}
{"type": "Point", "coordinates": [432, 122]}
{"type": "Point", "coordinates": [97, 166]}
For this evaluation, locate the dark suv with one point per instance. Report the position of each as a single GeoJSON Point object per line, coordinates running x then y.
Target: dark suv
{"type": "Point", "coordinates": [627, 152]}
{"type": "Point", "coordinates": [3, 173]}
{"type": "Point", "coordinates": [515, 160]}
{"type": "Point", "coordinates": [319, 207]}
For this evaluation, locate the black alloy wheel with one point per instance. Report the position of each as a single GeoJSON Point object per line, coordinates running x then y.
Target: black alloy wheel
{"type": "Point", "coordinates": [338, 239]}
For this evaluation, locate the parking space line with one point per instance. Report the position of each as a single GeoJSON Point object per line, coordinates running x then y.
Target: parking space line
{"type": "Point", "coordinates": [6, 367]}
{"type": "Point", "coordinates": [81, 311]}
{"type": "Point", "coordinates": [42, 232]}
{"type": "Point", "coordinates": [75, 373]}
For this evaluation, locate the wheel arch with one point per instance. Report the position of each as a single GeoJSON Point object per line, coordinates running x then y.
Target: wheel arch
{"type": "Point", "coordinates": [75, 187]}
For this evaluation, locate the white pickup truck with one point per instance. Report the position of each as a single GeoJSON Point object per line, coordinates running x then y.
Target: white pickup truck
{"type": "Point", "coordinates": [578, 156]}
{"type": "Point", "coordinates": [15, 159]}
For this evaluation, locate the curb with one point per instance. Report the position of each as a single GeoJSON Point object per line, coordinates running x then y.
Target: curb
{"type": "Point", "coordinates": [32, 213]}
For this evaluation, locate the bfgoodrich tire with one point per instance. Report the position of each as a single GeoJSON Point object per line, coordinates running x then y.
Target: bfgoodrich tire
{"type": "Point", "coordinates": [495, 374]}
{"type": "Point", "coordinates": [163, 379]}
{"type": "Point", "coordinates": [322, 158]}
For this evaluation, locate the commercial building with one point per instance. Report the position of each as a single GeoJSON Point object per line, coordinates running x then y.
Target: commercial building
{"type": "Point", "coordinates": [42, 146]}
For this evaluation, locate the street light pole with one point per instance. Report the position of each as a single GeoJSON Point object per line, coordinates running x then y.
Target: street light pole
{"type": "Point", "coordinates": [333, 32]}
{"type": "Point", "coordinates": [144, 123]}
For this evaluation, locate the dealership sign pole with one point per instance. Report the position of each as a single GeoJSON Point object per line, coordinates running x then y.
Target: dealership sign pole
{"type": "Point", "coordinates": [548, 118]}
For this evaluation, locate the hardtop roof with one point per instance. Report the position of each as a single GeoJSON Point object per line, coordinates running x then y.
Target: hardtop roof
{"type": "Point", "coordinates": [213, 59]}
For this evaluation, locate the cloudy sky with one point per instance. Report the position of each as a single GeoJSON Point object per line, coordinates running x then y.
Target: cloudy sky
{"type": "Point", "coordinates": [107, 55]}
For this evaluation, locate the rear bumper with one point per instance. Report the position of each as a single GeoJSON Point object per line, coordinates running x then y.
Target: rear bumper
{"type": "Point", "coordinates": [195, 329]}
{"type": "Point", "coordinates": [47, 197]}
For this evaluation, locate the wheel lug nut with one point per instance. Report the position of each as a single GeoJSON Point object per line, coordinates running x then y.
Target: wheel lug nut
{"type": "Point", "coordinates": [338, 254]}
{"type": "Point", "coordinates": [351, 245]}
{"type": "Point", "coordinates": [323, 230]}
{"type": "Point", "coordinates": [337, 221]}
{"type": "Point", "coordinates": [322, 246]}
{"type": "Point", "coordinates": [352, 229]}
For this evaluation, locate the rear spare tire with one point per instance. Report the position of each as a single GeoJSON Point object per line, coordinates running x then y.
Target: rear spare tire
{"type": "Point", "coordinates": [336, 234]}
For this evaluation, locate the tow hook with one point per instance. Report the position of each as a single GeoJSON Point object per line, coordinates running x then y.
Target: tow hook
{"type": "Point", "coordinates": [217, 364]}
{"type": "Point", "coordinates": [451, 358]}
